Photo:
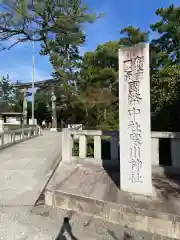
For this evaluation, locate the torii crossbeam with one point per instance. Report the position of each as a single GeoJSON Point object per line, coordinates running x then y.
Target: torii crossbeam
{"type": "Point", "coordinates": [42, 84]}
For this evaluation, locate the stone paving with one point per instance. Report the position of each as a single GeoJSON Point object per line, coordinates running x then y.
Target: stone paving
{"type": "Point", "coordinates": [25, 169]}
{"type": "Point", "coordinates": [94, 191]}
{"type": "Point", "coordinates": [47, 223]}
{"type": "Point", "coordinates": [85, 227]}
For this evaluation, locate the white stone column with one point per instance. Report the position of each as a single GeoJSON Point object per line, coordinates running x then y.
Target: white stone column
{"type": "Point", "coordinates": [134, 110]}
{"type": "Point", "coordinates": [97, 148]}
{"type": "Point", "coordinates": [25, 106]}
{"type": "Point", "coordinates": [67, 145]}
{"type": "Point", "coordinates": [54, 117]}
{"type": "Point", "coordinates": [82, 146]}
{"type": "Point", "coordinates": [1, 124]}
{"type": "Point", "coordinates": [155, 151]}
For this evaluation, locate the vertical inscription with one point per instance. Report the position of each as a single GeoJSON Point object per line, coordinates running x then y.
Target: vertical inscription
{"type": "Point", "coordinates": [133, 73]}
{"type": "Point", "coordinates": [134, 120]}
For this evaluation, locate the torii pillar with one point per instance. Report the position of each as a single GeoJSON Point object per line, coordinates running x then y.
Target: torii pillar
{"type": "Point", "coordinates": [54, 117]}
{"type": "Point", "coordinates": [25, 106]}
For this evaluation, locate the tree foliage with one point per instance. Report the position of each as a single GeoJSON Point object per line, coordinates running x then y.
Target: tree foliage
{"type": "Point", "coordinates": [165, 74]}
{"type": "Point", "coordinates": [88, 87]}
{"type": "Point", "coordinates": [42, 105]}
{"type": "Point", "coordinates": [7, 90]}
{"type": "Point", "coordinates": [12, 99]}
{"type": "Point", "coordinates": [168, 44]}
{"type": "Point", "coordinates": [133, 36]}
{"type": "Point", "coordinates": [51, 22]}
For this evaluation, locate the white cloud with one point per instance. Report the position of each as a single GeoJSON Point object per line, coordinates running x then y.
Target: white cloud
{"type": "Point", "coordinates": [24, 74]}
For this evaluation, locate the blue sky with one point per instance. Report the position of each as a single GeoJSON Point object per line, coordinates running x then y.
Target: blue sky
{"type": "Point", "coordinates": [17, 62]}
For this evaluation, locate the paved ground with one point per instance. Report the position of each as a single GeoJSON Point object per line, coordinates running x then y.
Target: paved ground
{"type": "Point", "coordinates": [46, 223]}
{"type": "Point", "coordinates": [25, 168]}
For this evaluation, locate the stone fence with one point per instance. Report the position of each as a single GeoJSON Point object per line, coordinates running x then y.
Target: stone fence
{"type": "Point", "coordinates": [69, 135]}
{"type": "Point", "coordinates": [174, 139]}
{"type": "Point", "coordinates": [8, 138]}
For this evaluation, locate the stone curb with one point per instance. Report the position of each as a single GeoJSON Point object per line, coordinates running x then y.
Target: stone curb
{"type": "Point", "coordinates": [167, 225]}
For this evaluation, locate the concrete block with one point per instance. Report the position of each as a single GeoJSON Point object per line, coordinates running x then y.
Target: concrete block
{"type": "Point", "coordinates": [82, 146]}
{"type": "Point", "coordinates": [155, 151]}
{"type": "Point", "coordinates": [175, 153]}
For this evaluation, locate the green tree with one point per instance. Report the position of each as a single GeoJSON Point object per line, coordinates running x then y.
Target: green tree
{"type": "Point", "coordinates": [57, 25]}
{"type": "Point", "coordinates": [100, 68]}
{"type": "Point", "coordinates": [17, 102]}
{"type": "Point", "coordinates": [168, 28]}
{"type": "Point", "coordinates": [165, 70]}
{"type": "Point", "coordinates": [52, 23]}
{"type": "Point", "coordinates": [165, 98]}
{"type": "Point", "coordinates": [12, 97]}
{"type": "Point", "coordinates": [42, 105]}
{"type": "Point", "coordinates": [98, 85]}
{"type": "Point", "coordinates": [7, 90]}
{"type": "Point", "coordinates": [132, 36]}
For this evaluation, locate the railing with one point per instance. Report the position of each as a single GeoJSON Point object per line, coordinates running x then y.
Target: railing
{"type": "Point", "coordinates": [174, 147]}
{"type": "Point", "coordinates": [8, 138]}
{"type": "Point", "coordinates": [70, 137]}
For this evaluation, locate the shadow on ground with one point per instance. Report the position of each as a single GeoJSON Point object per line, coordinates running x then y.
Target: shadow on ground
{"type": "Point", "coordinates": [127, 236]}
{"type": "Point", "coordinates": [168, 182]}
{"type": "Point", "coordinates": [66, 229]}
{"type": "Point", "coordinates": [112, 170]}
{"type": "Point", "coordinates": [167, 179]}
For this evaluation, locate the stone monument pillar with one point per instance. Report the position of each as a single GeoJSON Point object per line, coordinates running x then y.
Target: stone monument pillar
{"type": "Point", "coordinates": [25, 106]}
{"type": "Point", "coordinates": [54, 118]}
{"type": "Point", "coordinates": [134, 110]}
